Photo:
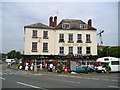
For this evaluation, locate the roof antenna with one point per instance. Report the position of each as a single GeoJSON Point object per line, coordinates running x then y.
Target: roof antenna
{"type": "Point", "coordinates": [57, 13]}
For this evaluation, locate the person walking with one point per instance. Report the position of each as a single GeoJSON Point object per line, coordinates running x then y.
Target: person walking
{"type": "Point", "coordinates": [31, 67]}
{"type": "Point", "coordinates": [26, 67]}
{"type": "Point", "coordinates": [51, 67]}
{"type": "Point", "coordinates": [41, 66]}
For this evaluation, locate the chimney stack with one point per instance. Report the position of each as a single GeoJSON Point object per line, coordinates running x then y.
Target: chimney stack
{"type": "Point", "coordinates": [55, 21]}
{"type": "Point", "coordinates": [51, 21]}
{"type": "Point", "coordinates": [89, 23]}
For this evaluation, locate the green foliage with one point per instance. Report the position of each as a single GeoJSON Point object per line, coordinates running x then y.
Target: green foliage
{"type": "Point", "coordinates": [14, 54]}
{"type": "Point", "coordinates": [107, 51]}
{"type": "Point", "coordinates": [108, 68]}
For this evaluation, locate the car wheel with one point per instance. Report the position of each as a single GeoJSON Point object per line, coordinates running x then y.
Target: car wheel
{"type": "Point", "coordinates": [103, 71]}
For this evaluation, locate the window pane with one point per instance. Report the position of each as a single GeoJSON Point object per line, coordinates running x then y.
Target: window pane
{"type": "Point", "coordinates": [34, 45]}
{"type": "Point", "coordinates": [45, 46]}
{"type": "Point", "coordinates": [61, 50]}
{"type": "Point", "coordinates": [70, 37]}
{"type": "Point", "coordinates": [79, 36]}
{"type": "Point", "coordinates": [70, 50]}
{"type": "Point", "coordinates": [114, 62]}
{"type": "Point", "coordinates": [88, 50]}
{"type": "Point", "coordinates": [45, 34]}
{"type": "Point", "coordinates": [87, 37]}
{"type": "Point", "coordinates": [61, 37]}
{"type": "Point", "coordinates": [34, 33]}
{"type": "Point", "coordinates": [79, 50]}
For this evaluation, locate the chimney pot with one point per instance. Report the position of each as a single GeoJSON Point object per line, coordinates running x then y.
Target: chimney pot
{"type": "Point", "coordinates": [55, 21]}
{"type": "Point", "coordinates": [89, 23]}
{"type": "Point", "coordinates": [51, 21]}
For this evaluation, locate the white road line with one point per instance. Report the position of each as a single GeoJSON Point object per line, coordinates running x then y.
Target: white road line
{"type": "Point", "coordinates": [31, 86]}
{"type": "Point", "coordinates": [105, 79]}
{"type": "Point", "coordinates": [95, 78]}
{"type": "Point", "coordinates": [64, 80]}
{"type": "Point", "coordinates": [115, 80]}
{"type": "Point", "coordinates": [113, 86]}
{"type": "Point", "coordinates": [86, 78]}
{"type": "Point", "coordinates": [78, 77]}
{"type": "Point", "coordinates": [2, 78]}
{"type": "Point", "coordinates": [37, 74]}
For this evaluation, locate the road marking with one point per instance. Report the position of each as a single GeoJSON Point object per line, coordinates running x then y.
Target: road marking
{"type": "Point", "coordinates": [37, 74]}
{"type": "Point", "coordinates": [64, 80]}
{"type": "Point", "coordinates": [78, 77]}
{"type": "Point", "coordinates": [113, 86]}
{"type": "Point", "coordinates": [86, 78]}
{"type": "Point", "coordinates": [2, 78]}
{"type": "Point", "coordinates": [95, 78]}
{"type": "Point", "coordinates": [105, 79]}
{"type": "Point", "coordinates": [31, 85]}
{"type": "Point", "coordinates": [115, 80]}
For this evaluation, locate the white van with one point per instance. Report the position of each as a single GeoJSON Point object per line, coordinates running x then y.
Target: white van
{"type": "Point", "coordinates": [113, 62]}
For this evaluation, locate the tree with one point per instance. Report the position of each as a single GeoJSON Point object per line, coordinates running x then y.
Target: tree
{"type": "Point", "coordinates": [109, 51]}
{"type": "Point", "coordinates": [14, 54]}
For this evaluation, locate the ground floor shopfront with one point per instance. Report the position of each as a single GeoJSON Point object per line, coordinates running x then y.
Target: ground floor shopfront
{"type": "Point", "coordinates": [66, 59]}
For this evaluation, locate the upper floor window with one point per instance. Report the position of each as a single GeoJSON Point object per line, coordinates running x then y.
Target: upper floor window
{"type": "Point", "coordinates": [70, 38]}
{"type": "Point", "coordinates": [34, 46]}
{"type": "Point", "coordinates": [45, 34]}
{"type": "Point", "coordinates": [79, 38]}
{"type": "Point", "coordinates": [88, 50]}
{"type": "Point", "coordinates": [45, 47]}
{"type": "Point", "coordinates": [34, 34]}
{"type": "Point", "coordinates": [66, 26]}
{"type": "Point", "coordinates": [61, 37]}
{"type": "Point", "coordinates": [88, 40]}
{"type": "Point", "coordinates": [79, 50]}
{"type": "Point", "coordinates": [61, 50]}
{"type": "Point", "coordinates": [70, 50]}
{"type": "Point", "coordinates": [83, 26]}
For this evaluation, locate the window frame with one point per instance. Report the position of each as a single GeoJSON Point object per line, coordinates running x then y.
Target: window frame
{"type": "Point", "coordinates": [45, 34]}
{"type": "Point", "coordinates": [88, 38]}
{"type": "Point", "coordinates": [70, 38]}
{"type": "Point", "coordinates": [45, 47]}
{"type": "Point", "coordinates": [83, 26]}
{"type": "Point", "coordinates": [61, 50]}
{"type": "Point", "coordinates": [70, 49]}
{"type": "Point", "coordinates": [88, 51]}
{"type": "Point", "coordinates": [79, 50]}
{"type": "Point", "coordinates": [61, 37]}
{"type": "Point", "coordinates": [118, 63]}
{"type": "Point", "coordinates": [34, 46]}
{"type": "Point", "coordinates": [66, 26]}
{"type": "Point", "coordinates": [34, 34]}
{"type": "Point", "coordinates": [79, 38]}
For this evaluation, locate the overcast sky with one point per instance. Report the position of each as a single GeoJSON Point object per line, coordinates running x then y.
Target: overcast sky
{"type": "Point", "coordinates": [15, 15]}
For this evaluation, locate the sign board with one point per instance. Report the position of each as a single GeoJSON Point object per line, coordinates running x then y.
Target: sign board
{"type": "Point", "coordinates": [74, 44]}
{"type": "Point", "coordinates": [72, 65]}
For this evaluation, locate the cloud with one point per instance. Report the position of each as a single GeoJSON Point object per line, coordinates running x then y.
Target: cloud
{"type": "Point", "coordinates": [18, 14]}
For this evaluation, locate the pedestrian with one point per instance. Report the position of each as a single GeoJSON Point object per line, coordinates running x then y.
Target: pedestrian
{"type": "Point", "coordinates": [26, 67]}
{"type": "Point", "coordinates": [20, 67]}
{"type": "Point", "coordinates": [9, 64]}
{"type": "Point", "coordinates": [40, 66]}
{"type": "Point", "coordinates": [51, 67]}
{"type": "Point", "coordinates": [31, 67]}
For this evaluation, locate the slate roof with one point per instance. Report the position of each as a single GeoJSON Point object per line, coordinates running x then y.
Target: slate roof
{"type": "Point", "coordinates": [74, 24]}
{"type": "Point", "coordinates": [38, 25]}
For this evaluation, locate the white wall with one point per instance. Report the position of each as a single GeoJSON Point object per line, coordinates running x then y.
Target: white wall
{"type": "Point", "coordinates": [53, 41]}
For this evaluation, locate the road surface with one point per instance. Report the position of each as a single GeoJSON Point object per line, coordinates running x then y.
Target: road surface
{"type": "Point", "coordinates": [23, 79]}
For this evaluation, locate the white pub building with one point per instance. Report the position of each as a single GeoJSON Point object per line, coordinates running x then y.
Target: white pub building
{"type": "Point", "coordinates": [68, 38]}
